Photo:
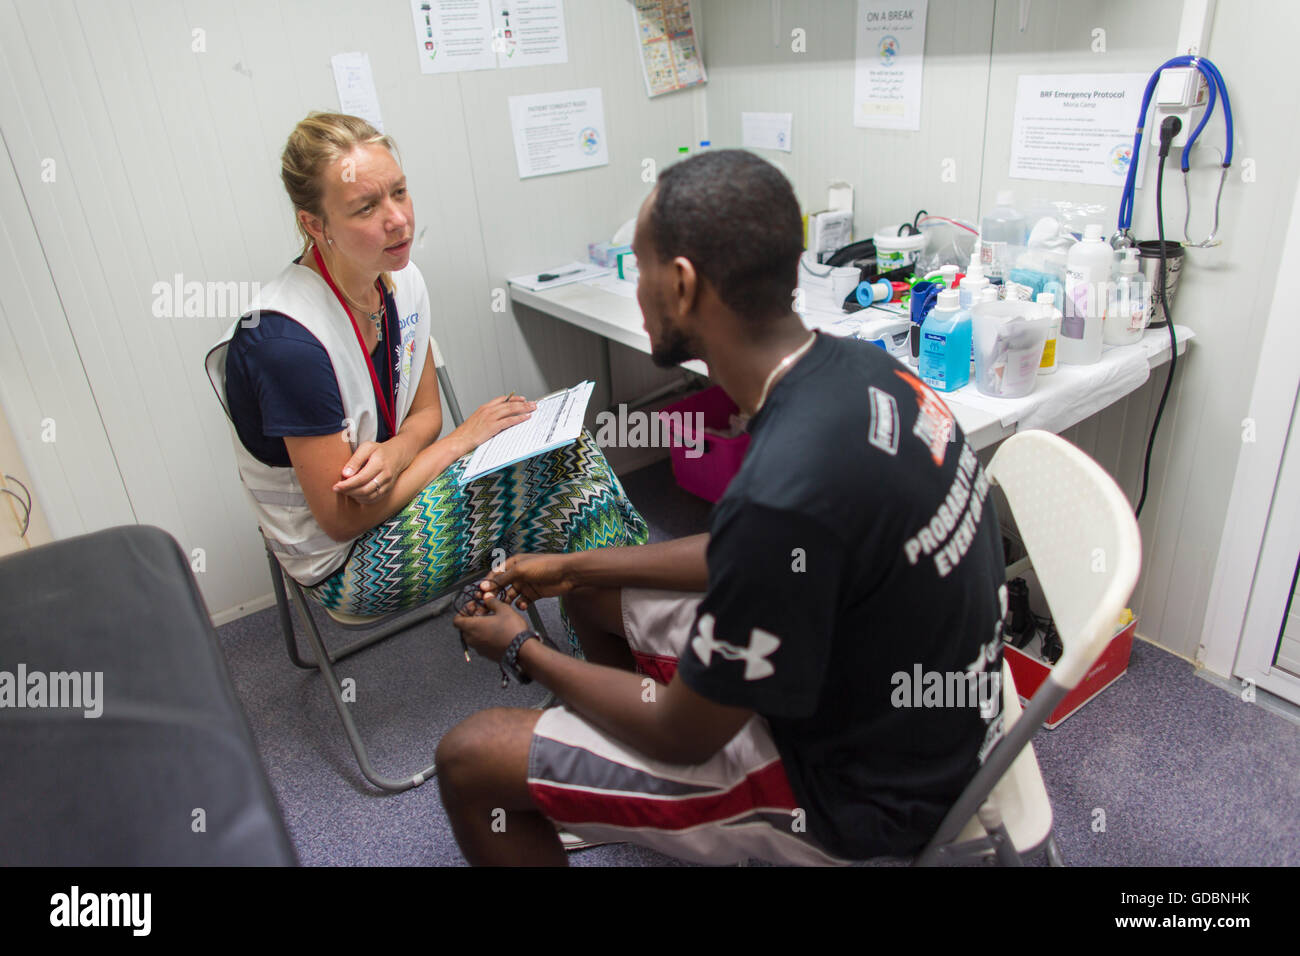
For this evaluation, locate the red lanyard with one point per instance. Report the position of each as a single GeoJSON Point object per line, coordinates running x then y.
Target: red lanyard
{"type": "Point", "coordinates": [384, 407]}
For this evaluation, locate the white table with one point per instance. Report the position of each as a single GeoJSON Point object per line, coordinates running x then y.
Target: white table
{"type": "Point", "coordinates": [986, 421]}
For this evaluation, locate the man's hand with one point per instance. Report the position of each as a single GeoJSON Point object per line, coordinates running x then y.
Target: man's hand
{"type": "Point", "coordinates": [489, 629]}
{"type": "Point", "coordinates": [530, 577]}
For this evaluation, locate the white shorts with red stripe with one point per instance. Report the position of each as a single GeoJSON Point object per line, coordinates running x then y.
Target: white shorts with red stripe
{"type": "Point", "coordinates": [736, 806]}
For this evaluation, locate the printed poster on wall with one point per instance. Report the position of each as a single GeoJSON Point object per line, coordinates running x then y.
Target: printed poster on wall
{"type": "Point", "coordinates": [888, 59]}
{"type": "Point", "coordinates": [456, 35]}
{"type": "Point", "coordinates": [1077, 127]}
{"type": "Point", "coordinates": [559, 132]}
{"type": "Point", "coordinates": [670, 50]}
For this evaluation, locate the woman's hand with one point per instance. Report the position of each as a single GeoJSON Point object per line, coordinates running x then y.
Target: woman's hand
{"type": "Point", "coordinates": [370, 472]}
{"type": "Point", "coordinates": [491, 418]}
{"type": "Point", "coordinates": [530, 577]}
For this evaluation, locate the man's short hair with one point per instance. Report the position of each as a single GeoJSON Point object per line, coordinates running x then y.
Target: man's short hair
{"type": "Point", "coordinates": [736, 218]}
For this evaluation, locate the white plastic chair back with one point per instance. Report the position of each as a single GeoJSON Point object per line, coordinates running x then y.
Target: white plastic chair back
{"type": "Point", "coordinates": [1020, 797]}
{"type": "Point", "coordinates": [1081, 536]}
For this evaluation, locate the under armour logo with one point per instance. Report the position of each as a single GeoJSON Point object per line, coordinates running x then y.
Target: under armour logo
{"type": "Point", "coordinates": [762, 645]}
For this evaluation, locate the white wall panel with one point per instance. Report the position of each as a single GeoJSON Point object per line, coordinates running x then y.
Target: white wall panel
{"type": "Point", "coordinates": [894, 173]}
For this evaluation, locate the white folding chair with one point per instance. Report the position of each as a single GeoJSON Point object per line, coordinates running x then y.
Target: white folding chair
{"type": "Point", "coordinates": [1082, 540]}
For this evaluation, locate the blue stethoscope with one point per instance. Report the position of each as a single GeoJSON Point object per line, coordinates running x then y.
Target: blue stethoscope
{"type": "Point", "coordinates": [1218, 88]}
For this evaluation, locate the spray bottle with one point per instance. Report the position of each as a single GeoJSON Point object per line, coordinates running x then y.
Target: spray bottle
{"type": "Point", "coordinates": [973, 284]}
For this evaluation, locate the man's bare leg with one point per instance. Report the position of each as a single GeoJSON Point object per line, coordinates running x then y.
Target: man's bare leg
{"type": "Point", "coordinates": [483, 780]}
{"type": "Point", "coordinates": [597, 616]}
{"type": "Point", "coordinates": [483, 761]}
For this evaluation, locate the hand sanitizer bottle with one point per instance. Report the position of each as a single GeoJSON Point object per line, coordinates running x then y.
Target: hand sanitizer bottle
{"type": "Point", "coordinates": [944, 363]}
{"type": "Point", "coordinates": [1126, 316]}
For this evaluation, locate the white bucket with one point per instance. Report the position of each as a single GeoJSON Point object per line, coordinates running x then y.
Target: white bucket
{"type": "Point", "coordinates": [1009, 338]}
{"type": "Point", "coordinates": [894, 251]}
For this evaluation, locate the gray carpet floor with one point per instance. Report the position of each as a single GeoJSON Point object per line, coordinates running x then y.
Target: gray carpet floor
{"type": "Point", "coordinates": [1161, 769]}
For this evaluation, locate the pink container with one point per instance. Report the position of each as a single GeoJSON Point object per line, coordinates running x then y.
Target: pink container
{"type": "Point", "coordinates": [706, 475]}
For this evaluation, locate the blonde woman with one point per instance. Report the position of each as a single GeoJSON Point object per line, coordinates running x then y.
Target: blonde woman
{"type": "Point", "coordinates": [330, 388]}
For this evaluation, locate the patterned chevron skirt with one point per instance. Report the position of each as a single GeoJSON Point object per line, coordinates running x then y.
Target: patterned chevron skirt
{"type": "Point", "coordinates": [565, 500]}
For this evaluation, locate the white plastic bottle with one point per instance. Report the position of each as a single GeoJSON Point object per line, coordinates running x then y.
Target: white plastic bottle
{"type": "Point", "coordinates": [985, 294]}
{"type": "Point", "coordinates": [1127, 314]}
{"type": "Point", "coordinates": [972, 284]}
{"type": "Point", "coordinates": [1001, 230]}
{"type": "Point", "coordinates": [1048, 365]}
{"type": "Point", "coordinates": [1083, 314]}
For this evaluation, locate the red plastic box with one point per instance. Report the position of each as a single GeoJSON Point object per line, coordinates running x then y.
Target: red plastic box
{"type": "Point", "coordinates": [706, 475]}
{"type": "Point", "coordinates": [1029, 671]}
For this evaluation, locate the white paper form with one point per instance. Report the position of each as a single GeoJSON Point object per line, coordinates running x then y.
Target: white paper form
{"type": "Point", "coordinates": [766, 130]}
{"type": "Point", "coordinates": [453, 35]}
{"type": "Point", "coordinates": [888, 64]}
{"type": "Point", "coordinates": [356, 86]}
{"type": "Point", "coordinates": [559, 132]}
{"type": "Point", "coordinates": [1077, 127]}
{"type": "Point", "coordinates": [555, 422]}
{"type": "Point", "coordinates": [530, 32]}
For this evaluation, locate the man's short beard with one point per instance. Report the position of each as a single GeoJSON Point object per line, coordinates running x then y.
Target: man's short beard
{"type": "Point", "coordinates": [672, 351]}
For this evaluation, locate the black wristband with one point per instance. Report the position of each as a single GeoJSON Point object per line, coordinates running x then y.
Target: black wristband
{"type": "Point", "coordinates": [510, 659]}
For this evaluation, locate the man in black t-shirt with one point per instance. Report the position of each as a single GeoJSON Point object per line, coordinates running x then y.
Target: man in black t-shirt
{"type": "Point", "coordinates": [817, 678]}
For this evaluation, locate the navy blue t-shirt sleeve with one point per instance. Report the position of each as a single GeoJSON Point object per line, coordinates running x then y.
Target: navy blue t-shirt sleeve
{"type": "Point", "coordinates": [288, 373]}
{"type": "Point", "coordinates": [762, 637]}
{"type": "Point", "coordinates": [296, 389]}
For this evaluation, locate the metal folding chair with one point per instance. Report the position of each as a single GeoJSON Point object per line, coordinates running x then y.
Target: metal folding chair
{"type": "Point", "coordinates": [382, 626]}
{"type": "Point", "coordinates": [1082, 540]}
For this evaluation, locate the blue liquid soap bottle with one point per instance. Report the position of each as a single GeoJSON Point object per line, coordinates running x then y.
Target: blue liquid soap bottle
{"type": "Point", "coordinates": [945, 345]}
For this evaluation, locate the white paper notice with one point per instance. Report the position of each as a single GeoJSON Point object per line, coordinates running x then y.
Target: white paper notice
{"type": "Point", "coordinates": [559, 132]}
{"type": "Point", "coordinates": [356, 86]}
{"type": "Point", "coordinates": [530, 33]}
{"type": "Point", "coordinates": [453, 35]}
{"type": "Point", "coordinates": [766, 130]}
{"type": "Point", "coordinates": [888, 61]}
{"type": "Point", "coordinates": [1077, 127]}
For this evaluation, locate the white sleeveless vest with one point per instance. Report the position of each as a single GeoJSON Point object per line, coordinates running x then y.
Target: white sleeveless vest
{"type": "Point", "coordinates": [300, 544]}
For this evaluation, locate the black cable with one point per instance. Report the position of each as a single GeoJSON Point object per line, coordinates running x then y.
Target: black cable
{"type": "Point", "coordinates": [1163, 297]}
